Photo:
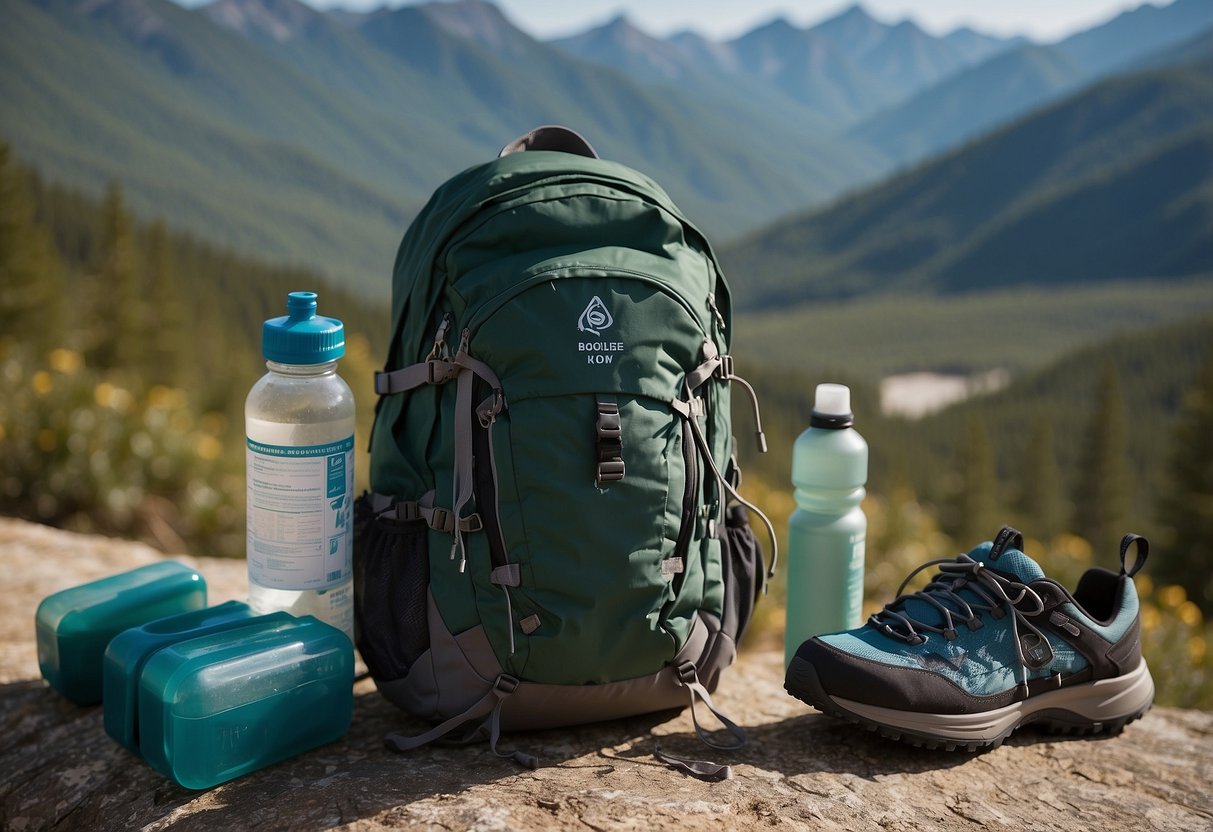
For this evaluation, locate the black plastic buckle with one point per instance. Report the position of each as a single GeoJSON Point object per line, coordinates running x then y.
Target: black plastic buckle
{"type": "Point", "coordinates": [609, 434]}
{"type": "Point", "coordinates": [505, 684]}
{"type": "Point", "coordinates": [611, 471]}
{"type": "Point", "coordinates": [442, 520]}
{"type": "Point", "coordinates": [609, 430]}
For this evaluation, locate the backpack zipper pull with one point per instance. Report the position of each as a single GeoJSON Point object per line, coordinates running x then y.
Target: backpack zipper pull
{"type": "Point", "coordinates": [439, 350]}
{"type": "Point", "coordinates": [716, 312]}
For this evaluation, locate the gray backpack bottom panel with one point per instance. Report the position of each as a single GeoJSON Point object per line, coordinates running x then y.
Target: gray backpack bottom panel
{"type": "Point", "coordinates": [468, 669]}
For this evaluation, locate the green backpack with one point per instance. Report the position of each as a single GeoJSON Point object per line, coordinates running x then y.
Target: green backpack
{"type": "Point", "coordinates": [555, 535]}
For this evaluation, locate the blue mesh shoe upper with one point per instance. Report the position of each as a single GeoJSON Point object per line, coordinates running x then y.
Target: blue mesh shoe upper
{"type": "Point", "coordinates": [975, 624]}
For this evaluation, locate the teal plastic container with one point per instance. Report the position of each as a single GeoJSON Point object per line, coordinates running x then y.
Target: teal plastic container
{"type": "Point", "coordinates": [827, 531]}
{"type": "Point", "coordinates": [75, 626]}
{"type": "Point", "coordinates": [222, 705]}
{"type": "Point", "coordinates": [129, 651]}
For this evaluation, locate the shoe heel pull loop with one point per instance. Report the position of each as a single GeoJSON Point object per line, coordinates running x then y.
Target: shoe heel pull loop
{"type": "Point", "coordinates": [1143, 552]}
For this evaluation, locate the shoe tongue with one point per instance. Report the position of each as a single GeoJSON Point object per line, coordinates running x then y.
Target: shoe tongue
{"type": "Point", "coordinates": [1007, 560]}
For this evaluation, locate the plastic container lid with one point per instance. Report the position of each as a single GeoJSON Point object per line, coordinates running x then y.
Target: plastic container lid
{"type": "Point", "coordinates": [129, 651]}
{"type": "Point", "coordinates": [221, 705]}
{"type": "Point", "coordinates": [832, 407]}
{"type": "Point", "coordinates": [302, 336]}
{"type": "Point", "coordinates": [75, 626]}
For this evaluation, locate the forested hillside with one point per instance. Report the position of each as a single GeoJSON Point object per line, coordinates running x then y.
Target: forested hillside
{"type": "Point", "coordinates": [1109, 439]}
{"type": "Point", "coordinates": [127, 350]}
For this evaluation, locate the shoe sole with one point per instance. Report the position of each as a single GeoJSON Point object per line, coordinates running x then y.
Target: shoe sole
{"type": "Point", "coordinates": [1102, 707]}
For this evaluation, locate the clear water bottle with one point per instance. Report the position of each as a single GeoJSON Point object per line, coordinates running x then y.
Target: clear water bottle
{"type": "Point", "coordinates": [827, 530]}
{"type": "Point", "coordinates": [299, 423]}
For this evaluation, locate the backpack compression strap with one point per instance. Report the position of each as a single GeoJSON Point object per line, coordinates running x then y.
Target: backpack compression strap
{"type": "Point", "coordinates": [488, 707]}
{"type": "Point", "coordinates": [688, 677]}
{"type": "Point", "coordinates": [436, 370]}
{"type": "Point", "coordinates": [721, 367]}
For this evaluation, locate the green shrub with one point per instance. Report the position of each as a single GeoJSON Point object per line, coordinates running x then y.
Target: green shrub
{"type": "Point", "coordinates": [96, 451]}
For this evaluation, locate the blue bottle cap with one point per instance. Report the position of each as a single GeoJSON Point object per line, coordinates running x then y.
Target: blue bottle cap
{"type": "Point", "coordinates": [302, 336]}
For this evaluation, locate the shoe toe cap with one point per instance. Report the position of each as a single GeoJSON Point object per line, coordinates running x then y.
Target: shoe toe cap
{"type": "Point", "coordinates": [843, 675]}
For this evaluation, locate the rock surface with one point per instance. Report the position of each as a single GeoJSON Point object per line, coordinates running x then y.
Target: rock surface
{"type": "Point", "coordinates": [59, 770]}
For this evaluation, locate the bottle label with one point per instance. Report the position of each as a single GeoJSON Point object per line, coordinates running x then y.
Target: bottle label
{"type": "Point", "coordinates": [300, 514]}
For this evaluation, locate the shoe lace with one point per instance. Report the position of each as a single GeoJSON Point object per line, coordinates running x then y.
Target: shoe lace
{"type": "Point", "coordinates": [995, 594]}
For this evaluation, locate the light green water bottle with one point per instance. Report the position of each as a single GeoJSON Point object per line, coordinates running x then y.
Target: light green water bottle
{"type": "Point", "coordinates": [826, 532]}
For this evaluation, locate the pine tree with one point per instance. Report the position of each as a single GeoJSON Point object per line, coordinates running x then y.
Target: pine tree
{"type": "Point", "coordinates": [166, 323]}
{"type": "Point", "coordinates": [977, 503]}
{"type": "Point", "coordinates": [1186, 509]}
{"type": "Point", "coordinates": [1041, 501]}
{"type": "Point", "coordinates": [31, 273]}
{"type": "Point", "coordinates": [1101, 501]}
{"type": "Point", "coordinates": [118, 323]}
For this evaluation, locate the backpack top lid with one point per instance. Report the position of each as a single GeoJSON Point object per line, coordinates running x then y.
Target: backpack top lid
{"type": "Point", "coordinates": [551, 137]}
{"type": "Point", "coordinates": [552, 155]}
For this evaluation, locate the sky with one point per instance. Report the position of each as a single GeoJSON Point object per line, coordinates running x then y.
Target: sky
{"type": "Point", "coordinates": [1041, 20]}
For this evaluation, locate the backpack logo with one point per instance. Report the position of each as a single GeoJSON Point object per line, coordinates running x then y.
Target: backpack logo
{"type": "Point", "coordinates": [595, 318]}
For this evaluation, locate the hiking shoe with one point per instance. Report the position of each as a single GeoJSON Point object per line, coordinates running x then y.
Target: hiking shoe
{"type": "Point", "coordinates": [988, 645]}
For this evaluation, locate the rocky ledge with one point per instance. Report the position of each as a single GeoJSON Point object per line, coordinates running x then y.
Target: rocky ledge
{"type": "Point", "coordinates": [59, 770]}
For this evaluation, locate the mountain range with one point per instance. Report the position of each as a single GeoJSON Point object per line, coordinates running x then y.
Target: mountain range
{"type": "Point", "coordinates": [894, 87]}
{"type": "Point", "coordinates": [312, 137]}
{"type": "Point", "coordinates": [841, 69]}
{"type": "Point", "coordinates": [1113, 182]}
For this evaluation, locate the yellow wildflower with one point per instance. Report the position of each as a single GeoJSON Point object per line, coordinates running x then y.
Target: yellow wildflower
{"type": "Point", "coordinates": [1189, 614]}
{"type": "Point", "coordinates": [112, 396]}
{"type": "Point", "coordinates": [208, 447]}
{"type": "Point", "coordinates": [66, 361]}
{"type": "Point", "coordinates": [1075, 547]}
{"type": "Point", "coordinates": [1172, 596]}
{"type": "Point", "coordinates": [43, 383]}
{"type": "Point", "coordinates": [1150, 619]}
{"type": "Point", "coordinates": [165, 398]}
